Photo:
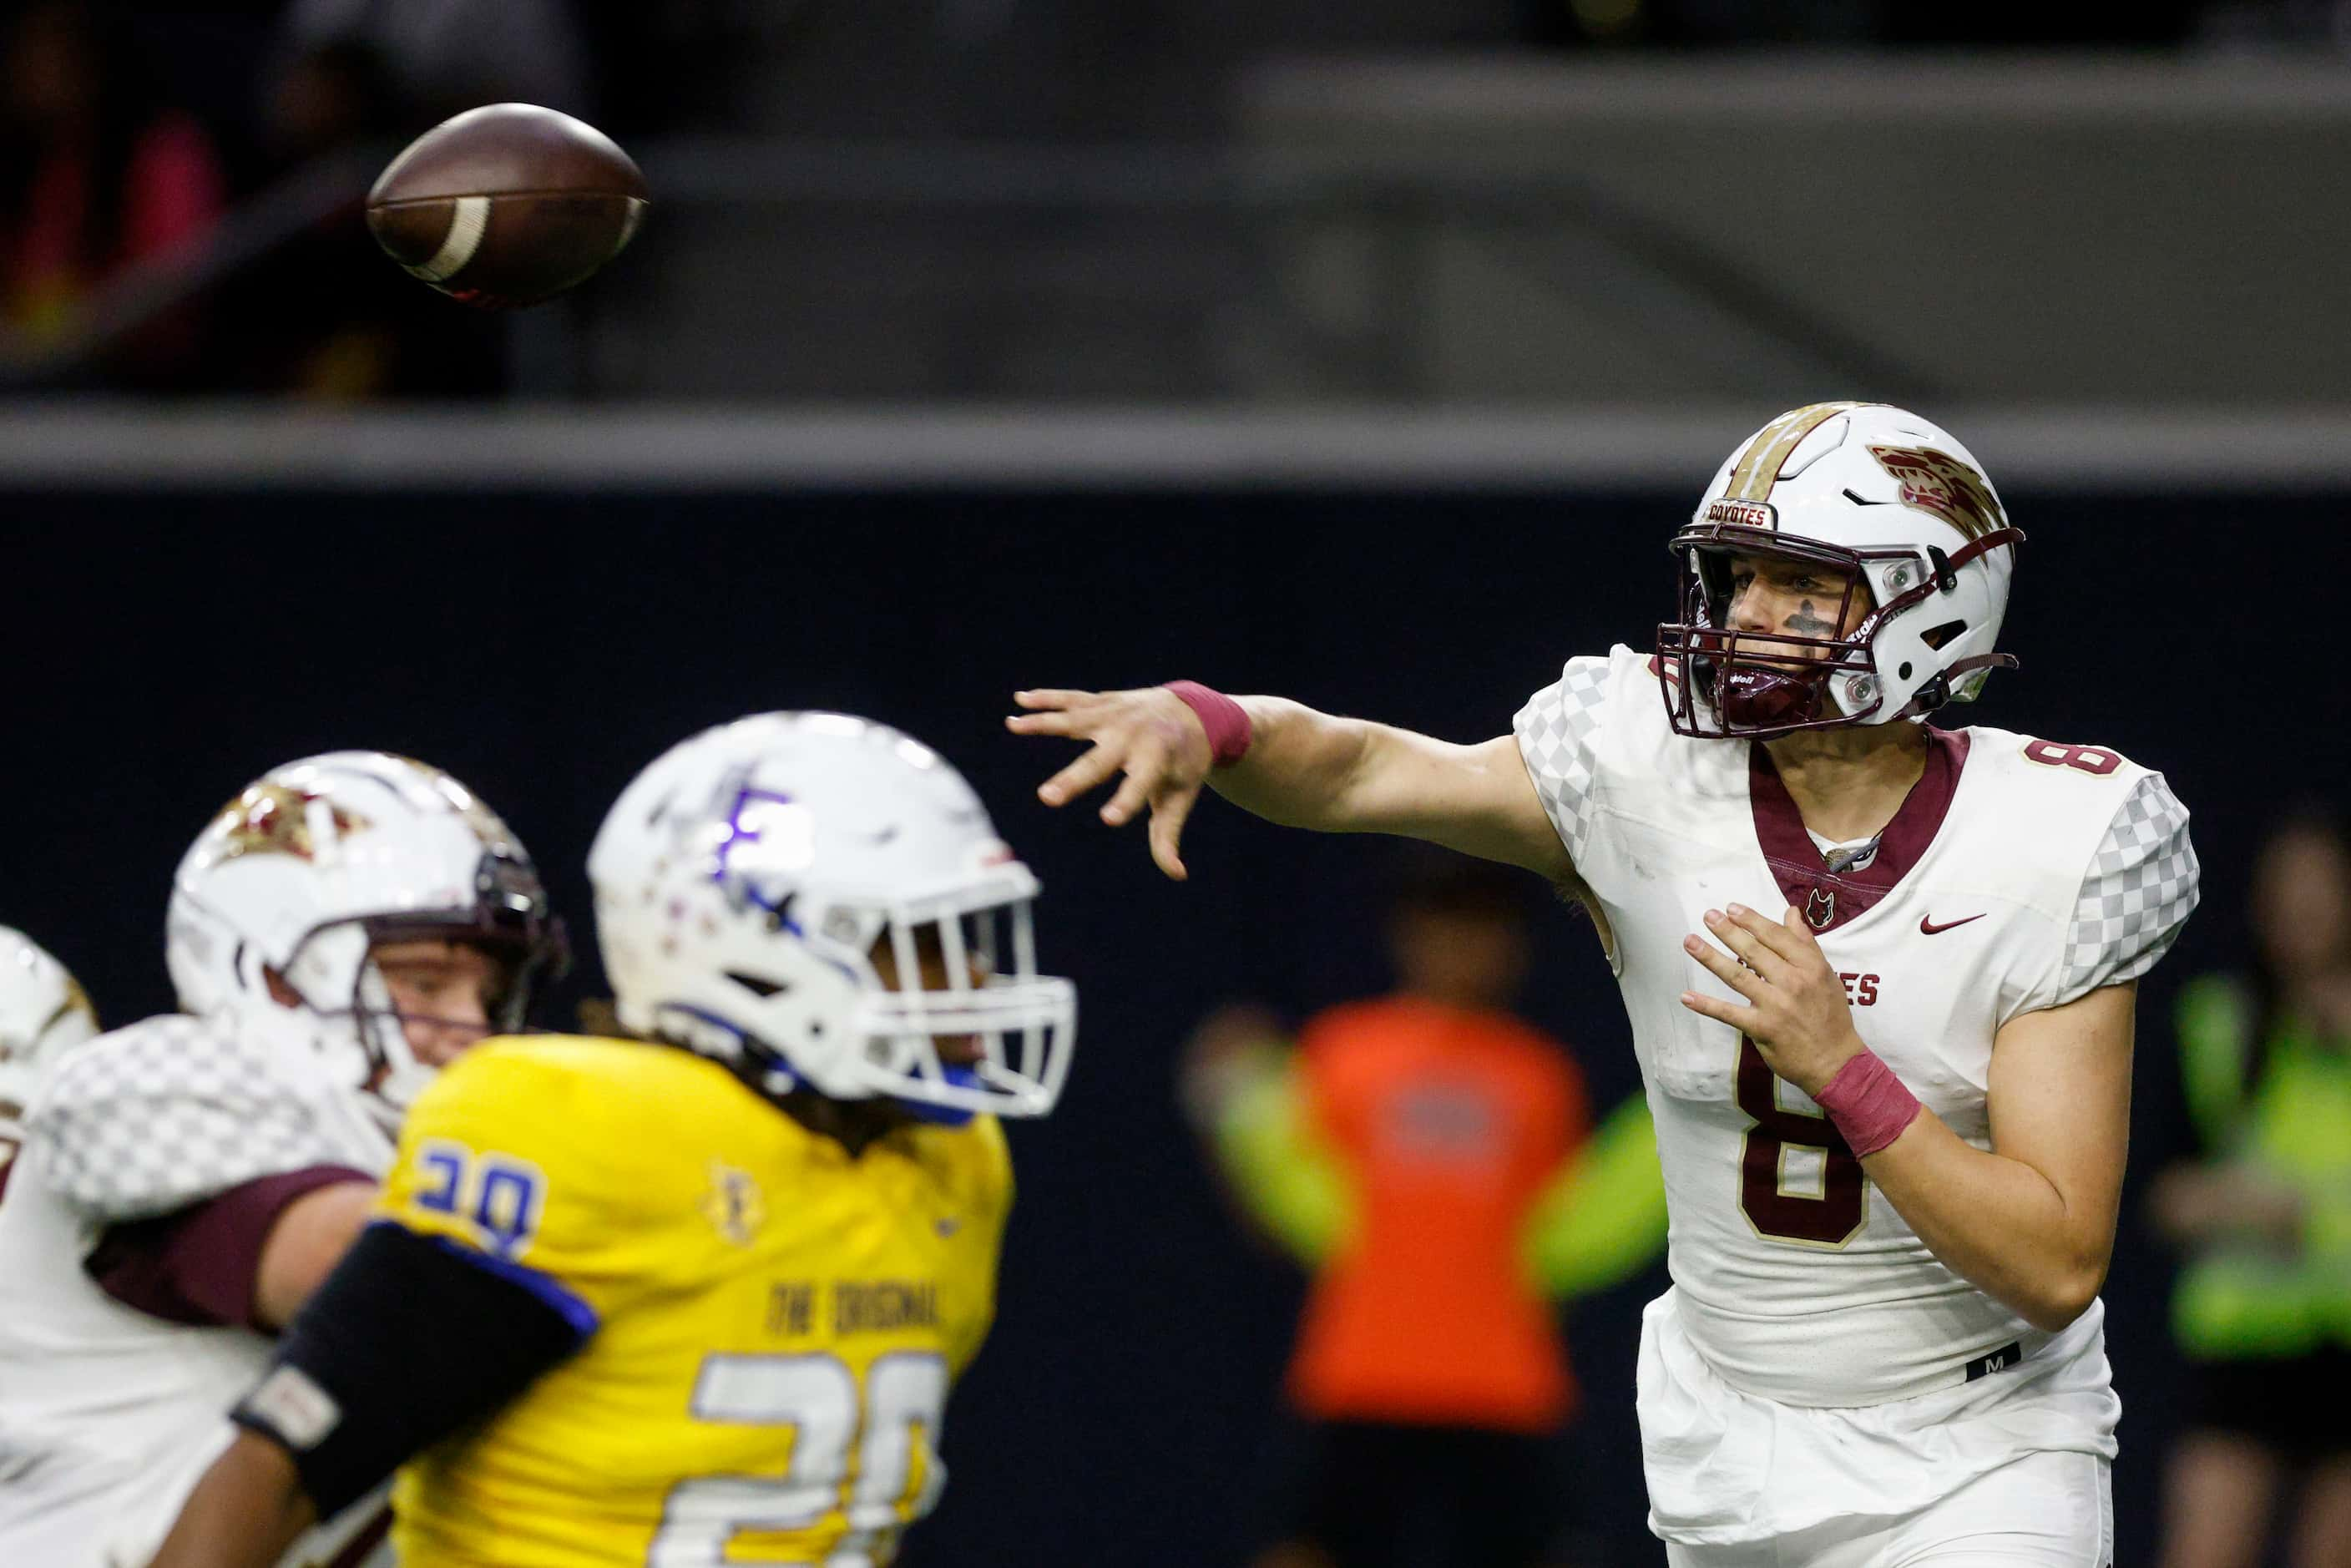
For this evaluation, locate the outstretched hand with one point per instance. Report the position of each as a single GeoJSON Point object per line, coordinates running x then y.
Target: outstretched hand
{"type": "Point", "coordinates": [1148, 734]}
{"type": "Point", "coordinates": [1795, 1012]}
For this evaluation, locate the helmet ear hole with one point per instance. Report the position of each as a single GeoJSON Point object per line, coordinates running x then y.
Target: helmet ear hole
{"type": "Point", "coordinates": [759, 987]}
{"type": "Point", "coordinates": [1935, 637]}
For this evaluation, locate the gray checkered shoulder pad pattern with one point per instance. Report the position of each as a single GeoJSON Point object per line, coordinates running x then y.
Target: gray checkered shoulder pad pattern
{"type": "Point", "coordinates": [1556, 731]}
{"type": "Point", "coordinates": [168, 1113]}
{"type": "Point", "coordinates": [2137, 894]}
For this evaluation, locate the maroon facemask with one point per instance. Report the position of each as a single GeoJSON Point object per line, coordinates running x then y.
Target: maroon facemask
{"type": "Point", "coordinates": [1752, 697]}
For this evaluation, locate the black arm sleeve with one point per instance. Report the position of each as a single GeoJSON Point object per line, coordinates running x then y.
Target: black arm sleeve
{"type": "Point", "coordinates": [408, 1340]}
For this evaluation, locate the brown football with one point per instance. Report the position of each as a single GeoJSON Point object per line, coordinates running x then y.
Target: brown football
{"type": "Point", "coordinates": [508, 204]}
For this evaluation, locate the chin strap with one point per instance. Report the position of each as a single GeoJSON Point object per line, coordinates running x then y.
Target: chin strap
{"type": "Point", "coordinates": [1938, 691]}
{"type": "Point", "coordinates": [940, 1115]}
{"type": "Point", "coordinates": [1985, 544]}
{"type": "Point", "coordinates": [1975, 661]}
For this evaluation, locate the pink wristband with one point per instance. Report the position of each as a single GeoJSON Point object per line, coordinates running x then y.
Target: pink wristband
{"type": "Point", "coordinates": [1867, 1103]}
{"type": "Point", "coordinates": [1227, 722]}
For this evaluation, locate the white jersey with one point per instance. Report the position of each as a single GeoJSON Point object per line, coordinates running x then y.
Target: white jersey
{"type": "Point", "coordinates": [2020, 874]}
{"type": "Point", "coordinates": [110, 1415]}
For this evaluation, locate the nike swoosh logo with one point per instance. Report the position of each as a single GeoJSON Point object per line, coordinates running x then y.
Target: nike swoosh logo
{"type": "Point", "coordinates": [1927, 927]}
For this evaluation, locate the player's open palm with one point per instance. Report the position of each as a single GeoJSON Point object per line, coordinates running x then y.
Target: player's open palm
{"type": "Point", "coordinates": [1795, 1011]}
{"type": "Point", "coordinates": [1148, 734]}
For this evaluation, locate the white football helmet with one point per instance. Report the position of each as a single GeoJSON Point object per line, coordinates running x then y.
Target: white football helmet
{"type": "Point", "coordinates": [744, 881]}
{"type": "Point", "coordinates": [1882, 497]}
{"type": "Point", "coordinates": [319, 859]}
{"type": "Point", "coordinates": [42, 1012]}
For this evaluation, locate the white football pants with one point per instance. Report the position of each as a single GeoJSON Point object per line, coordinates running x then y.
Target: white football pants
{"type": "Point", "coordinates": [2044, 1510]}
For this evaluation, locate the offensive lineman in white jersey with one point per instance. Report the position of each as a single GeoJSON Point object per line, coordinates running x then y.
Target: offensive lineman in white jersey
{"type": "Point", "coordinates": [1893, 1117]}
{"type": "Point", "coordinates": [347, 925]}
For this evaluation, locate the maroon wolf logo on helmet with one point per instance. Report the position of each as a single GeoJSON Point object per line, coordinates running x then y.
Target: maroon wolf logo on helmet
{"type": "Point", "coordinates": [1937, 482]}
{"type": "Point", "coordinates": [274, 819]}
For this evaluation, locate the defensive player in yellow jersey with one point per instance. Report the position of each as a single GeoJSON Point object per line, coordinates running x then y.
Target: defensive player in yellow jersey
{"type": "Point", "coordinates": [695, 1298]}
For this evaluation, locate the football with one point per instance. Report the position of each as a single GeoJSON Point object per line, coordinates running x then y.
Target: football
{"type": "Point", "coordinates": [508, 205]}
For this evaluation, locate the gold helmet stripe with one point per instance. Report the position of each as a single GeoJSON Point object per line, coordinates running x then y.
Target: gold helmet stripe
{"type": "Point", "coordinates": [1759, 466]}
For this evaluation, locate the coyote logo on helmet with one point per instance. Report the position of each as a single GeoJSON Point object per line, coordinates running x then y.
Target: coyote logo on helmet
{"type": "Point", "coordinates": [275, 818]}
{"type": "Point", "coordinates": [1937, 482]}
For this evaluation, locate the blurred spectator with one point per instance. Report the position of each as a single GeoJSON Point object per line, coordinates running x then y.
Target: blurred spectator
{"type": "Point", "coordinates": [2263, 1304]}
{"type": "Point", "coordinates": [1426, 1154]}
{"type": "Point", "coordinates": [97, 173]}
{"type": "Point", "coordinates": [327, 315]}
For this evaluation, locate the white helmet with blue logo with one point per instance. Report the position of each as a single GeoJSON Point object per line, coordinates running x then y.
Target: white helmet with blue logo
{"type": "Point", "coordinates": [770, 893]}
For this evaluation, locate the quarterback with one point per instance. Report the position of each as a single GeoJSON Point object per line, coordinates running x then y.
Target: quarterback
{"type": "Point", "coordinates": [345, 924]}
{"type": "Point", "coordinates": [1880, 977]}
{"type": "Point", "coordinates": [694, 1297]}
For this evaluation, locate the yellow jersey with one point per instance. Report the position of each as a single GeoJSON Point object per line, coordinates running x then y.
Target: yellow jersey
{"type": "Point", "coordinates": [771, 1323]}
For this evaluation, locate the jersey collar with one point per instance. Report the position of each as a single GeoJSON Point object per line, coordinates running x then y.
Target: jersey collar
{"type": "Point", "coordinates": [1830, 899]}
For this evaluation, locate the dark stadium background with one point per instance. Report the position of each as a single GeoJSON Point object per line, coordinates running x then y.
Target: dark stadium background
{"type": "Point", "coordinates": [161, 647]}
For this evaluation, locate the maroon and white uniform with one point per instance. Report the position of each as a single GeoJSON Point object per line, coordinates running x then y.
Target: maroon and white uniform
{"type": "Point", "coordinates": [1812, 1362]}
{"type": "Point", "coordinates": [155, 1159]}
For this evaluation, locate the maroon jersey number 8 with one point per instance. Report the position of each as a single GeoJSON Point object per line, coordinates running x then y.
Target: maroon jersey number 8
{"type": "Point", "coordinates": [2094, 760]}
{"type": "Point", "coordinates": [1827, 1220]}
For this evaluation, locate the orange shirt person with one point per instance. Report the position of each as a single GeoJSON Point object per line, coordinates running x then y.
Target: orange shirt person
{"type": "Point", "coordinates": [1450, 1122]}
{"type": "Point", "coordinates": [1431, 1156]}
